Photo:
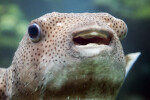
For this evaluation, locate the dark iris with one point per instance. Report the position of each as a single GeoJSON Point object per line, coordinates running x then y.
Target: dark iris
{"type": "Point", "coordinates": [34, 32]}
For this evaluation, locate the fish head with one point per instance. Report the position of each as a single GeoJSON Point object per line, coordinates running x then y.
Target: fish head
{"type": "Point", "coordinates": [78, 52]}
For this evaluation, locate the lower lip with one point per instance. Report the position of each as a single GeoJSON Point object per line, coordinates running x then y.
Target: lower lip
{"type": "Point", "coordinates": [91, 49]}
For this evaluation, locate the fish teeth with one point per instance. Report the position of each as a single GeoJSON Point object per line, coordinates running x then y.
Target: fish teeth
{"type": "Point", "coordinates": [92, 44]}
{"type": "Point", "coordinates": [87, 35]}
{"type": "Point", "coordinates": [89, 45]}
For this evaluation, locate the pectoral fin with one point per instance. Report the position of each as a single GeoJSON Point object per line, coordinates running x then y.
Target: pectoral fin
{"type": "Point", "coordinates": [130, 60]}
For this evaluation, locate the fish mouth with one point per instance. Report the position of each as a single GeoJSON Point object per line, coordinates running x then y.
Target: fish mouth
{"type": "Point", "coordinates": [94, 37]}
{"type": "Point", "coordinates": [91, 42]}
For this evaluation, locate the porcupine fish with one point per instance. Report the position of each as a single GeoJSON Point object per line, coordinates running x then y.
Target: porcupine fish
{"type": "Point", "coordinates": [68, 56]}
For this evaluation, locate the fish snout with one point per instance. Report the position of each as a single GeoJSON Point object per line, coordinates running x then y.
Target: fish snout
{"type": "Point", "coordinates": [91, 40]}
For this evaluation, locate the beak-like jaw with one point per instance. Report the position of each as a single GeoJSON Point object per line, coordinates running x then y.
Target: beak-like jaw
{"type": "Point", "coordinates": [93, 36]}
{"type": "Point", "coordinates": [90, 42]}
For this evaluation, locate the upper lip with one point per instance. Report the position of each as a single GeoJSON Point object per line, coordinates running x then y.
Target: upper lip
{"type": "Point", "coordinates": [94, 36]}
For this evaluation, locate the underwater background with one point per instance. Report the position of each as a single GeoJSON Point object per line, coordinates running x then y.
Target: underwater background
{"type": "Point", "coordinates": [15, 16]}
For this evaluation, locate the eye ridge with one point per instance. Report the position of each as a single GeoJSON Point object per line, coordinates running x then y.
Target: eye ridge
{"type": "Point", "coordinates": [34, 32]}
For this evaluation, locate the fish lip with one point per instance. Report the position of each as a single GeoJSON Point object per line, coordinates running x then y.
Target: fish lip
{"type": "Point", "coordinates": [92, 50]}
{"type": "Point", "coordinates": [97, 36]}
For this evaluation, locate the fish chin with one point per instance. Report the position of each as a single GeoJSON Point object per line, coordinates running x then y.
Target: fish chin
{"type": "Point", "coordinates": [89, 78]}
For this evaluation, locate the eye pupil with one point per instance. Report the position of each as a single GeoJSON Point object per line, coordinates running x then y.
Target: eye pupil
{"type": "Point", "coordinates": [34, 32]}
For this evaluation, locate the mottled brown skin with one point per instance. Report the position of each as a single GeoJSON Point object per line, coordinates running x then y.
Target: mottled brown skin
{"type": "Point", "coordinates": [54, 68]}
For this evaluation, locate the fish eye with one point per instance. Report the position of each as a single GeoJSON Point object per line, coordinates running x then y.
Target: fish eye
{"type": "Point", "coordinates": [34, 32]}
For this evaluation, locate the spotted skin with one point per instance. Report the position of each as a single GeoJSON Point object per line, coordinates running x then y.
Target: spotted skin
{"type": "Point", "coordinates": [53, 68]}
{"type": "Point", "coordinates": [2, 84]}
